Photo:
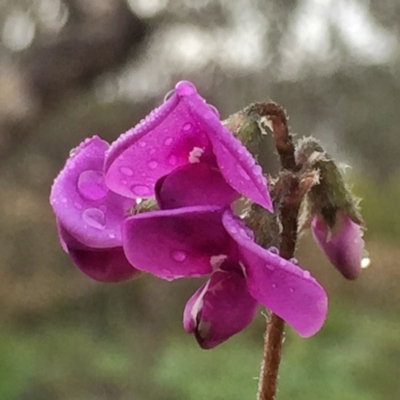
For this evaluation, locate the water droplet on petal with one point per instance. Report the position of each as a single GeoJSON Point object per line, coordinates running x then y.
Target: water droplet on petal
{"type": "Point", "coordinates": [142, 144]}
{"type": "Point", "coordinates": [185, 88]}
{"type": "Point", "coordinates": [271, 267]}
{"type": "Point", "coordinates": [172, 160]}
{"type": "Point", "coordinates": [126, 171]}
{"type": "Point", "coordinates": [91, 185]}
{"type": "Point", "coordinates": [178, 255]}
{"type": "Point", "coordinates": [169, 95]}
{"type": "Point", "coordinates": [152, 164]}
{"type": "Point", "coordinates": [78, 206]}
{"type": "Point", "coordinates": [111, 235]}
{"type": "Point", "coordinates": [306, 274]}
{"type": "Point", "coordinates": [94, 217]}
{"type": "Point", "coordinates": [282, 262]}
{"type": "Point", "coordinates": [140, 190]}
{"type": "Point", "coordinates": [273, 286]}
{"type": "Point", "coordinates": [214, 110]}
{"type": "Point", "coordinates": [257, 169]}
{"type": "Point", "coordinates": [168, 141]}
{"type": "Point", "coordinates": [274, 250]}
{"type": "Point", "coordinates": [187, 127]}
{"type": "Point", "coordinates": [294, 261]}
{"type": "Point", "coordinates": [365, 262]}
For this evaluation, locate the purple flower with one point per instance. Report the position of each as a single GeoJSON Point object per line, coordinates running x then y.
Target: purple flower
{"type": "Point", "coordinates": [89, 215]}
{"type": "Point", "coordinates": [184, 130]}
{"type": "Point", "coordinates": [343, 244]}
{"type": "Point", "coordinates": [199, 240]}
{"type": "Point", "coordinates": [183, 157]}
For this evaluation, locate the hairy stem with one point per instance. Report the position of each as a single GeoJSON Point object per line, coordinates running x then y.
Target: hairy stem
{"type": "Point", "coordinates": [288, 194]}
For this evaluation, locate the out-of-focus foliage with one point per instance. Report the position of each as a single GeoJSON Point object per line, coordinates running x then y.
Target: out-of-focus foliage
{"type": "Point", "coordinates": [73, 68]}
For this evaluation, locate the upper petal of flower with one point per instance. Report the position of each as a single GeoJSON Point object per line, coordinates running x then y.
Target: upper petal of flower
{"type": "Point", "coordinates": [343, 245]}
{"type": "Point", "coordinates": [194, 184]}
{"type": "Point", "coordinates": [278, 284]}
{"type": "Point", "coordinates": [219, 309]}
{"type": "Point", "coordinates": [184, 129]}
{"type": "Point", "coordinates": [104, 265]}
{"type": "Point", "coordinates": [81, 201]}
{"type": "Point", "coordinates": [176, 243]}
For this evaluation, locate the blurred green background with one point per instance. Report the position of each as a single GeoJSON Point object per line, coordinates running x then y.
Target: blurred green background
{"type": "Point", "coordinates": [73, 68]}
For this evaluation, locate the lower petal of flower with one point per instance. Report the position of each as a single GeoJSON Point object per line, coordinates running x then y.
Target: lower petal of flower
{"type": "Point", "coordinates": [218, 310]}
{"type": "Point", "coordinates": [176, 243]}
{"type": "Point", "coordinates": [278, 284]}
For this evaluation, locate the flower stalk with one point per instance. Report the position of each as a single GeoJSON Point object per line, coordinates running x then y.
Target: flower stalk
{"type": "Point", "coordinates": [289, 196]}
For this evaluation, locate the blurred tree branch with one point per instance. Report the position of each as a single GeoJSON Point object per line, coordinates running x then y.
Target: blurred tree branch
{"type": "Point", "coordinates": [99, 36]}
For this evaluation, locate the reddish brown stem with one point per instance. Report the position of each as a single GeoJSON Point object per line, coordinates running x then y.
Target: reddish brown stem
{"type": "Point", "coordinates": [289, 204]}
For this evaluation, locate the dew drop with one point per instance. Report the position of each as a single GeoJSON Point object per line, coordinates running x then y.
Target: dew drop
{"type": "Point", "coordinates": [306, 274]}
{"type": "Point", "coordinates": [168, 141]}
{"type": "Point", "coordinates": [126, 171]}
{"type": "Point", "coordinates": [178, 255]}
{"type": "Point", "coordinates": [78, 206]}
{"type": "Point", "coordinates": [172, 160]}
{"type": "Point", "coordinates": [91, 185]}
{"type": "Point", "coordinates": [94, 217]}
{"type": "Point", "coordinates": [185, 88]}
{"type": "Point", "coordinates": [273, 286]}
{"type": "Point", "coordinates": [282, 262]}
{"type": "Point", "coordinates": [273, 250]}
{"type": "Point", "coordinates": [140, 190]}
{"type": "Point", "coordinates": [152, 164]}
{"type": "Point", "coordinates": [111, 235]}
{"type": "Point", "coordinates": [257, 169]}
{"type": "Point", "coordinates": [271, 267]}
{"type": "Point", "coordinates": [187, 127]}
{"type": "Point", "coordinates": [214, 110]}
{"type": "Point", "coordinates": [365, 262]}
{"type": "Point", "coordinates": [169, 95]}
{"type": "Point", "coordinates": [294, 261]}
{"type": "Point", "coordinates": [142, 144]}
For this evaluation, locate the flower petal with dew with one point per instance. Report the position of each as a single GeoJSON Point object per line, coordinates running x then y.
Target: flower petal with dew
{"type": "Point", "coordinates": [278, 284]}
{"type": "Point", "coordinates": [176, 243]}
{"type": "Point", "coordinates": [183, 130]}
{"type": "Point", "coordinates": [219, 309]}
{"type": "Point", "coordinates": [89, 215]}
{"type": "Point", "coordinates": [343, 244]}
{"type": "Point", "coordinates": [188, 240]}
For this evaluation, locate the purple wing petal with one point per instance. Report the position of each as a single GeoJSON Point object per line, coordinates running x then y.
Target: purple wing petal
{"type": "Point", "coordinates": [172, 244]}
{"type": "Point", "coordinates": [278, 284]}
{"type": "Point", "coordinates": [81, 201]}
{"type": "Point", "coordinates": [104, 265]}
{"type": "Point", "coordinates": [343, 245]}
{"type": "Point", "coordinates": [219, 309]}
{"type": "Point", "coordinates": [194, 184]}
{"type": "Point", "coordinates": [235, 162]}
{"type": "Point", "coordinates": [168, 138]}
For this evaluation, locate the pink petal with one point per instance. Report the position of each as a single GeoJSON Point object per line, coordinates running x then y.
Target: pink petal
{"type": "Point", "coordinates": [278, 284]}
{"type": "Point", "coordinates": [194, 184]}
{"type": "Point", "coordinates": [219, 309]}
{"type": "Point", "coordinates": [172, 244]}
{"type": "Point", "coordinates": [235, 162]}
{"type": "Point", "coordinates": [103, 265]}
{"type": "Point", "coordinates": [159, 144]}
{"type": "Point", "coordinates": [81, 201]}
{"type": "Point", "coordinates": [343, 245]}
